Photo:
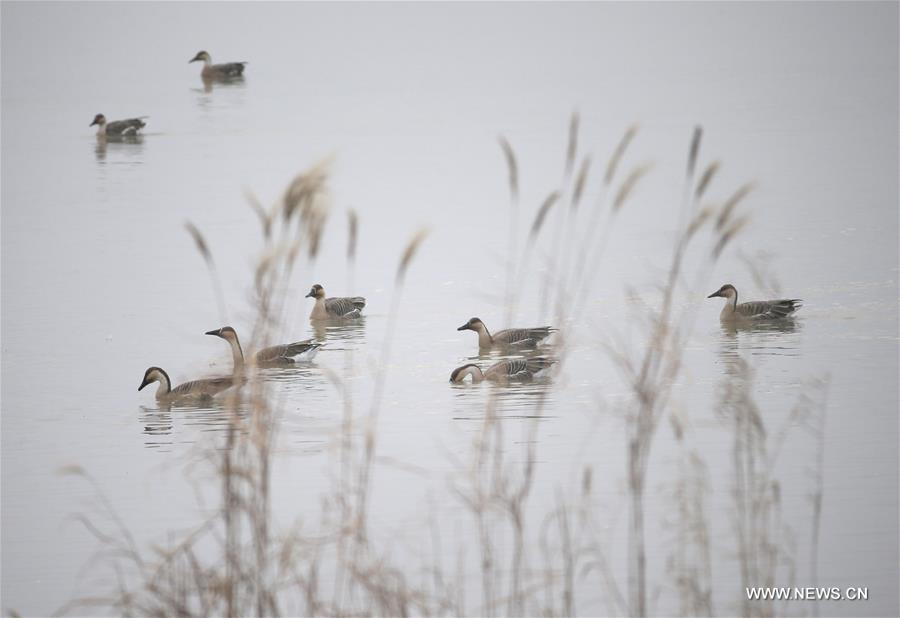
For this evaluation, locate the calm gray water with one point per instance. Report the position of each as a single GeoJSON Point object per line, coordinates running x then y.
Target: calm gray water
{"type": "Point", "coordinates": [100, 280]}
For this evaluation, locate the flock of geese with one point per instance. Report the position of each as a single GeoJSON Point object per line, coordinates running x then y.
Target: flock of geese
{"type": "Point", "coordinates": [504, 371]}
{"type": "Point", "coordinates": [229, 71]}
{"type": "Point", "coordinates": [350, 308]}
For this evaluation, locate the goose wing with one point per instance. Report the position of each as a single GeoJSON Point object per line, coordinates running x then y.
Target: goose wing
{"type": "Point", "coordinates": [229, 69]}
{"type": "Point", "coordinates": [769, 309]}
{"type": "Point", "coordinates": [125, 127]}
{"type": "Point", "coordinates": [522, 336]}
{"type": "Point", "coordinates": [345, 307]}
{"type": "Point", "coordinates": [286, 353]}
{"type": "Point", "coordinates": [518, 368]}
{"type": "Point", "coordinates": [505, 369]}
{"type": "Point", "coordinates": [206, 387]}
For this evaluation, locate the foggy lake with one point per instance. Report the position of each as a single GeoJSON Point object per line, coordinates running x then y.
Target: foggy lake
{"type": "Point", "coordinates": [402, 106]}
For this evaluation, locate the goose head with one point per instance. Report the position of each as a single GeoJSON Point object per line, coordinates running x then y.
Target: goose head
{"type": "Point", "coordinates": [99, 119]}
{"type": "Point", "coordinates": [459, 374]}
{"type": "Point", "coordinates": [316, 291]}
{"type": "Point", "coordinates": [201, 56]}
{"type": "Point", "coordinates": [726, 291]}
{"type": "Point", "coordinates": [226, 332]}
{"type": "Point", "coordinates": [473, 324]}
{"type": "Point", "coordinates": [154, 374]}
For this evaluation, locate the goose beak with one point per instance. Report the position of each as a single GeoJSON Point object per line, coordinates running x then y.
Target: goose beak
{"type": "Point", "coordinates": [308, 295]}
{"type": "Point", "coordinates": [143, 384]}
{"type": "Point", "coordinates": [714, 294]}
{"type": "Point", "coordinates": [194, 59]}
{"type": "Point", "coordinates": [216, 332]}
{"type": "Point", "coordinates": [464, 327]}
{"type": "Point", "coordinates": [93, 123]}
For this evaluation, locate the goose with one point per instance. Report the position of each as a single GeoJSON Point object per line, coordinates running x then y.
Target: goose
{"type": "Point", "coordinates": [195, 390]}
{"type": "Point", "coordinates": [229, 70]}
{"type": "Point", "coordinates": [519, 337]}
{"type": "Point", "coordinates": [276, 355]}
{"type": "Point", "coordinates": [118, 128]}
{"type": "Point", "coordinates": [325, 308]}
{"type": "Point", "coordinates": [754, 310]}
{"type": "Point", "coordinates": [505, 370]}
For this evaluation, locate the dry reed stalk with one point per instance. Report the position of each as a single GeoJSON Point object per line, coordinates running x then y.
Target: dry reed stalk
{"type": "Point", "coordinates": [352, 241]}
{"type": "Point", "coordinates": [589, 246]}
{"type": "Point", "coordinates": [512, 168]}
{"type": "Point", "coordinates": [265, 217]}
{"type": "Point", "coordinates": [205, 253]}
{"type": "Point", "coordinates": [352, 234]}
{"type": "Point", "coordinates": [512, 248]}
{"type": "Point", "coordinates": [572, 147]}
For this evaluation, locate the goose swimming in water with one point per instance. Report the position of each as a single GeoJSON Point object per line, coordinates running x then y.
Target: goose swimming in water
{"type": "Point", "coordinates": [276, 355]}
{"type": "Point", "coordinates": [505, 370]}
{"type": "Point", "coordinates": [326, 308]}
{"type": "Point", "coordinates": [118, 128]}
{"type": "Point", "coordinates": [518, 337]}
{"type": "Point", "coordinates": [754, 310]}
{"type": "Point", "coordinates": [195, 390]}
{"type": "Point", "coordinates": [229, 70]}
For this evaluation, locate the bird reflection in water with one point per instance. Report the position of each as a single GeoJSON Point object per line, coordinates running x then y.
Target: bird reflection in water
{"type": "Point", "coordinates": [738, 343]}
{"type": "Point", "coordinates": [339, 334]}
{"type": "Point", "coordinates": [128, 146]}
{"type": "Point", "coordinates": [234, 86]}
{"type": "Point", "coordinates": [159, 422]}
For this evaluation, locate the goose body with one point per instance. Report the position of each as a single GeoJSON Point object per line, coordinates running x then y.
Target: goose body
{"type": "Point", "coordinates": [118, 128]}
{"type": "Point", "coordinates": [504, 371]}
{"type": "Point", "coordinates": [228, 70]}
{"type": "Point", "coordinates": [284, 354]}
{"type": "Point", "coordinates": [511, 337]}
{"type": "Point", "coordinates": [757, 310]}
{"type": "Point", "coordinates": [195, 390]}
{"type": "Point", "coordinates": [328, 308]}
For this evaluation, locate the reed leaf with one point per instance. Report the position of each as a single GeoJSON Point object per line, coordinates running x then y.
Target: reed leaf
{"type": "Point", "coordinates": [202, 247]}
{"type": "Point", "coordinates": [618, 153]}
{"type": "Point", "coordinates": [572, 149]}
{"type": "Point", "coordinates": [541, 216]}
{"type": "Point", "coordinates": [731, 203]}
{"type": "Point", "coordinates": [265, 219]}
{"type": "Point", "coordinates": [511, 165]}
{"type": "Point", "coordinates": [352, 234]}
{"type": "Point", "coordinates": [629, 184]}
{"type": "Point", "coordinates": [412, 247]}
{"type": "Point", "coordinates": [580, 181]}
{"type": "Point", "coordinates": [695, 150]}
{"type": "Point", "coordinates": [706, 178]}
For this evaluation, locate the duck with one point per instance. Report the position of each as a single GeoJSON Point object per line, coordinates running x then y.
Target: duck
{"type": "Point", "coordinates": [517, 337]}
{"type": "Point", "coordinates": [284, 354]}
{"type": "Point", "coordinates": [757, 310]}
{"type": "Point", "coordinates": [229, 70]}
{"type": "Point", "coordinates": [118, 128]}
{"type": "Point", "coordinates": [504, 371]}
{"type": "Point", "coordinates": [326, 308]}
{"type": "Point", "coordinates": [193, 391]}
